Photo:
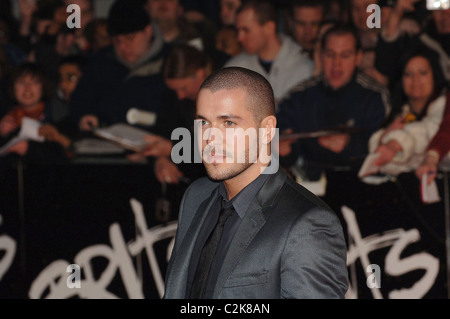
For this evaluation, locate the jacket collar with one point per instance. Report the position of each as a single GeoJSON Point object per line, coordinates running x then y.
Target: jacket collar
{"type": "Point", "coordinates": [253, 221]}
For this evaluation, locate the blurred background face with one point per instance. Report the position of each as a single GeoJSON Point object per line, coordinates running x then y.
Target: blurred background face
{"type": "Point", "coordinates": [131, 47]}
{"type": "Point", "coordinates": [417, 80]}
{"type": "Point", "coordinates": [28, 91]}
{"type": "Point", "coordinates": [101, 37]}
{"type": "Point", "coordinates": [164, 10]}
{"type": "Point", "coordinates": [306, 25]}
{"type": "Point", "coordinates": [64, 43]}
{"type": "Point", "coordinates": [339, 59]}
{"type": "Point", "coordinates": [442, 20]}
{"type": "Point", "coordinates": [228, 11]}
{"type": "Point", "coordinates": [69, 75]}
{"type": "Point", "coordinates": [226, 41]}
{"type": "Point", "coordinates": [251, 35]}
{"type": "Point", "coordinates": [187, 88]}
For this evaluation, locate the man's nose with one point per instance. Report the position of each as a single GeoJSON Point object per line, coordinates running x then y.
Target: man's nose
{"type": "Point", "coordinates": [213, 135]}
{"type": "Point", "coordinates": [181, 95]}
{"type": "Point", "coordinates": [121, 46]}
{"type": "Point", "coordinates": [337, 61]}
{"type": "Point", "coordinates": [240, 37]}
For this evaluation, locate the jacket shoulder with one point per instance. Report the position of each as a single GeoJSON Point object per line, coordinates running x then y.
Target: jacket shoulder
{"type": "Point", "coordinates": [370, 85]}
{"type": "Point", "coordinates": [308, 197]}
{"type": "Point", "coordinates": [197, 192]}
{"type": "Point", "coordinates": [202, 185]}
{"type": "Point", "coordinates": [301, 88]}
{"type": "Point", "coordinates": [241, 60]}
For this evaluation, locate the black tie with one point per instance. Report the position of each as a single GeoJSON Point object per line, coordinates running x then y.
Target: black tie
{"type": "Point", "coordinates": [207, 256]}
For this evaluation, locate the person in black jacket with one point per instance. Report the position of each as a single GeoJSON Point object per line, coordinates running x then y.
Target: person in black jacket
{"type": "Point", "coordinates": [342, 96]}
{"type": "Point", "coordinates": [184, 70]}
{"type": "Point", "coordinates": [122, 76]}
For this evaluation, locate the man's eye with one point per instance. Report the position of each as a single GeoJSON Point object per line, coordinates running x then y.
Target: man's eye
{"type": "Point", "coordinates": [229, 123]}
{"type": "Point", "coordinates": [203, 122]}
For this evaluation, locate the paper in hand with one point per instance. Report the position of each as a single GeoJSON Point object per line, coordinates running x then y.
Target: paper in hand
{"type": "Point", "coordinates": [430, 193]}
{"type": "Point", "coordinates": [29, 130]}
{"type": "Point", "coordinates": [368, 167]}
{"type": "Point", "coordinates": [125, 135]}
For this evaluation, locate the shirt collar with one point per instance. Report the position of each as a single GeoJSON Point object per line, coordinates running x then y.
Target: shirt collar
{"type": "Point", "coordinates": [345, 87]}
{"type": "Point", "coordinates": [242, 201]}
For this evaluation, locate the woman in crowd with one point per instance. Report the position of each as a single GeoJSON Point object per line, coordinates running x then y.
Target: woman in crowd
{"type": "Point", "coordinates": [30, 92]}
{"type": "Point", "coordinates": [401, 145]}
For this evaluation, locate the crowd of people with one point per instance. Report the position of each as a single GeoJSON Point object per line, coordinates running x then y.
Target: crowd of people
{"type": "Point", "coordinates": [385, 88]}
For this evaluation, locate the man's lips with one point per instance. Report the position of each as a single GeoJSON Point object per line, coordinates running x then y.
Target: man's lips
{"type": "Point", "coordinates": [335, 75]}
{"type": "Point", "coordinates": [215, 158]}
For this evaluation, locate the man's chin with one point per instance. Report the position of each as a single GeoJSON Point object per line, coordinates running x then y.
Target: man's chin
{"type": "Point", "coordinates": [219, 172]}
{"type": "Point", "coordinates": [215, 171]}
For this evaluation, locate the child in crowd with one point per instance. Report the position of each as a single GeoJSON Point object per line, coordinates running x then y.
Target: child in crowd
{"type": "Point", "coordinates": [70, 71]}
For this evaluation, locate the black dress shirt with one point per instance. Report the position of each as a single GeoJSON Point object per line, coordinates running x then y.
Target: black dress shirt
{"type": "Point", "coordinates": [241, 202]}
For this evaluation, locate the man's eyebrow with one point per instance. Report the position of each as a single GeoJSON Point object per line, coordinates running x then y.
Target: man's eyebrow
{"type": "Point", "coordinates": [220, 117]}
{"type": "Point", "coordinates": [341, 52]}
{"type": "Point", "coordinates": [229, 116]}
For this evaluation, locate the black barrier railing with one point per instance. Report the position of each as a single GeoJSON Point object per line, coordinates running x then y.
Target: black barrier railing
{"type": "Point", "coordinates": [81, 213]}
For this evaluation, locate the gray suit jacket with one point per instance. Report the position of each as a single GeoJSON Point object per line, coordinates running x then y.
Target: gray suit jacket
{"type": "Point", "coordinates": [289, 245]}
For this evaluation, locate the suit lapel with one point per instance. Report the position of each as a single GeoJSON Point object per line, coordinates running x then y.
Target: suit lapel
{"type": "Point", "coordinates": [180, 266]}
{"type": "Point", "coordinates": [253, 221]}
{"type": "Point", "coordinates": [250, 226]}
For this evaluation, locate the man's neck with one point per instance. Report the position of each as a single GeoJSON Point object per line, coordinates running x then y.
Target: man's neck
{"type": "Point", "coordinates": [133, 65]}
{"type": "Point", "coordinates": [238, 183]}
{"type": "Point", "coordinates": [170, 31]}
{"type": "Point", "coordinates": [271, 50]}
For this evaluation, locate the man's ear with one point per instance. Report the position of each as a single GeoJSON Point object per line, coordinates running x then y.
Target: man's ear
{"type": "Point", "coordinates": [359, 57]}
{"type": "Point", "coordinates": [270, 27]}
{"type": "Point", "coordinates": [290, 22]}
{"type": "Point", "coordinates": [200, 73]}
{"type": "Point", "coordinates": [268, 129]}
{"type": "Point", "coordinates": [149, 31]}
{"type": "Point", "coordinates": [180, 10]}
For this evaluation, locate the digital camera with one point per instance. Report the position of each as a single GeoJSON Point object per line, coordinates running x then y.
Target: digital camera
{"type": "Point", "coordinates": [438, 4]}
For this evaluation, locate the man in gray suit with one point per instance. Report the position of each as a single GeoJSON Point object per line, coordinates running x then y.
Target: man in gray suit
{"type": "Point", "coordinates": [279, 240]}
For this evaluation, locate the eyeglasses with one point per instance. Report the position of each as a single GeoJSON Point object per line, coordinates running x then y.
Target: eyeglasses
{"type": "Point", "coordinates": [69, 78]}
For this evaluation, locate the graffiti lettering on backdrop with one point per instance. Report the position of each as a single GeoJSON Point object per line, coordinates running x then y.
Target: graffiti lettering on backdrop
{"type": "Point", "coordinates": [54, 278]}
{"type": "Point", "coordinates": [399, 239]}
{"type": "Point", "coordinates": [8, 246]}
{"type": "Point", "coordinates": [54, 281]}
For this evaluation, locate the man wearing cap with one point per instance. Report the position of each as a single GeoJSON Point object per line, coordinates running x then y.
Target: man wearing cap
{"type": "Point", "coordinates": [124, 75]}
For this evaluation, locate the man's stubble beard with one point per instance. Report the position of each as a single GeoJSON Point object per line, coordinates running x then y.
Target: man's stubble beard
{"type": "Point", "coordinates": [228, 173]}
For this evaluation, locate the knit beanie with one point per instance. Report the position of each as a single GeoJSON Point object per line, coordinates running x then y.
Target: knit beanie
{"type": "Point", "coordinates": [127, 16]}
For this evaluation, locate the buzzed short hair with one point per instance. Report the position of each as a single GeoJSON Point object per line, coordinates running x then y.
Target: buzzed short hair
{"type": "Point", "coordinates": [265, 10]}
{"type": "Point", "coordinates": [183, 60]}
{"type": "Point", "coordinates": [307, 3]}
{"type": "Point", "coordinates": [260, 96]}
{"type": "Point", "coordinates": [339, 30]}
